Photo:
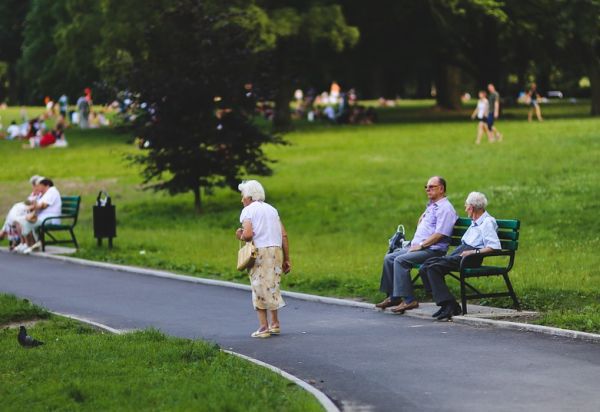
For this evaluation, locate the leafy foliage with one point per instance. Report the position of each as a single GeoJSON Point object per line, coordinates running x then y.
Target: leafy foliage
{"type": "Point", "coordinates": [190, 67]}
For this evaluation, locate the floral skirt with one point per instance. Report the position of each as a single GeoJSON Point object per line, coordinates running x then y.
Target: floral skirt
{"type": "Point", "coordinates": [265, 277]}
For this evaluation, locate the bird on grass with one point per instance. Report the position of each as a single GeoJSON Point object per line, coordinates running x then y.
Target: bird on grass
{"type": "Point", "coordinates": [27, 341]}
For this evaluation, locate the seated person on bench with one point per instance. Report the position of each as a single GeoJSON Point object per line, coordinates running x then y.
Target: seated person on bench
{"type": "Point", "coordinates": [49, 204]}
{"type": "Point", "coordinates": [481, 237]}
{"type": "Point", "coordinates": [432, 238]}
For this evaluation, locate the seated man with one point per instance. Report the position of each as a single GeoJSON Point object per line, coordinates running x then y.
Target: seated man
{"type": "Point", "coordinates": [481, 237]}
{"type": "Point", "coordinates": [431, 239]}
{"type": "Point", "coordinates": [49, 204]}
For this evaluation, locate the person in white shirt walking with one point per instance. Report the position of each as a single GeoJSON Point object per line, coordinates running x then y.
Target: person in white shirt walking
{"type": "Point", "coordinates": [262, 225]}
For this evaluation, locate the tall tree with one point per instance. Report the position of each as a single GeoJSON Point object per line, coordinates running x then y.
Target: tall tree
{"type": "Point", "coordinates": [301, 31]}
{"type": "Point", "coordinates": [188, 61]}
{"type": "Point", "coordinates": [12, 25]}
{"type": "Point", "coordinates": [58, 48]}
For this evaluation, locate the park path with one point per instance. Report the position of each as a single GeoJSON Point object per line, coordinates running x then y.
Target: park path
{"type": "Point", "coordinates": [361, 358]}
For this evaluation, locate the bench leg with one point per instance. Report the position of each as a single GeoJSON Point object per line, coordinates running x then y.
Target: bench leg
{"type": "Point", "coordinates": [74, 239]}
{"type": "Point", "coordinates": [511, 291]}
{"type": "Point", "coordinates": [463, 294]}
{"type": "Point", "coordinates": [43, 240]}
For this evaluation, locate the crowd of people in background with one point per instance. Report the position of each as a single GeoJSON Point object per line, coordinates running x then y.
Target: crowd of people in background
{"type": "Point", "coordinates": [37, 134]}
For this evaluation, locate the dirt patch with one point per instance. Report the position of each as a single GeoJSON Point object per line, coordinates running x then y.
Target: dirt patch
{"type": "Point", "coordinates": [15, 325]}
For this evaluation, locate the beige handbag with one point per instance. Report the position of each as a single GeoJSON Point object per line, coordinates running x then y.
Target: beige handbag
{"type": "Point", "coordinates": [246, 256]}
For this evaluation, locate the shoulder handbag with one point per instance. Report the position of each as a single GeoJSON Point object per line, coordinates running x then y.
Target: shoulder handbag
{"type": "Point", "coordinates": [246, 256]}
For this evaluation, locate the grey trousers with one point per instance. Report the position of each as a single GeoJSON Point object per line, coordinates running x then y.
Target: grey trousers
{"type": "Point", "coordinates": [434, 270]}
{"type": "Point", "coordinates": [395, 275]}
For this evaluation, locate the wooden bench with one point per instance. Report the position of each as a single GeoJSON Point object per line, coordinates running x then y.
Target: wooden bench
{"type": "Point", "coordinates": [508, 232]}
{"type": "Point", "coordinates": [70, 212]}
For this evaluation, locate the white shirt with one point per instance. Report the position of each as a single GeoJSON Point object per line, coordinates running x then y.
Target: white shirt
{"type": "Point", "coordinates": [483, 233]}
{"type": "Point", "coordinates": [13, 131]}
{"type": "Point", "coordinates": [482, 108]}
{"type": "Point", "coordinates": [52, 199]}
{"type": "Point", "coordinates": [266, 226]}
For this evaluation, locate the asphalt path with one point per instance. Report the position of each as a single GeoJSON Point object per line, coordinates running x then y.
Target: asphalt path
{"type": "Point", "coordinates": [362, 359]}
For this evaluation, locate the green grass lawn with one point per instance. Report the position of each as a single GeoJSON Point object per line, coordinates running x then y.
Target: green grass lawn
{"type": "Point", "coordinates": [341, 191]}
{"type": "Point", "coordinates": [79, 368]}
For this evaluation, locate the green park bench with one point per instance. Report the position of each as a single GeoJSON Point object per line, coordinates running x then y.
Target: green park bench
{"type": "Point", "coordinates": [508, 232]}
{"type": "Point", "coordinates": [68, 216]}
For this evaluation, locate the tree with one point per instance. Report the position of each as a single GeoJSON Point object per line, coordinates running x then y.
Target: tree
{"type": "Point", "coordinates": [12, 24]}
{"type": "Point", "coordinates": [58, 47]}
{"type": "Point", "coordinates": [579, 25]}
{"type": "Point", "coordinates": [188, 62]}
{"type": "Point", "coordinates": [300, 30]}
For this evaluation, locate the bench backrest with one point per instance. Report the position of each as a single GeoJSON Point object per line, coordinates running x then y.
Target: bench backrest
{"type": "Point", "coordinates": [508, 232]}
{"type": "Point", "coordinates": [70, 205]}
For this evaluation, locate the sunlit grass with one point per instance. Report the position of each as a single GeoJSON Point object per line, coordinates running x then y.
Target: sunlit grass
{"type": "Point", "coordinates": [342, 190]}
{"type": "Point", "coordinates": [79, 368]}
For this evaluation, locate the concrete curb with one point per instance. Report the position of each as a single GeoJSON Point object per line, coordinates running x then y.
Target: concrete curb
{"type": "Point", "coordinates": [325, 402]}
{"type": "Point", "coordinates": [473, 321]}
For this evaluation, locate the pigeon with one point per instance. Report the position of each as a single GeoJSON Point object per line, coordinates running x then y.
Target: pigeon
{"type": "Point", "coordinates": [27, 341]}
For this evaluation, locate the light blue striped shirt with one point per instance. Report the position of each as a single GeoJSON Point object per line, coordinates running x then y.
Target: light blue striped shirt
{"type": "Point", "coordinates": [482, 233]}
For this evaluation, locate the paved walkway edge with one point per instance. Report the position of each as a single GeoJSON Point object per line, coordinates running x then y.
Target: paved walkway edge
{"type": "Point", "coordinates": [526, 327]}
{"type": "Point", "coordinates": [325, 402]}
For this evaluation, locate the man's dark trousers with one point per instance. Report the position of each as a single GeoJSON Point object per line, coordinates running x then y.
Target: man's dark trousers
{"type": "Point", "coordinates": [434, 270]}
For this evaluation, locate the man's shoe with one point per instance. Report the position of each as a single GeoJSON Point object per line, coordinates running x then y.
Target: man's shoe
{"type": "Point", "coordinates": [401, 308]}
{"type": "Point", "coordinates": [438, 312]}
{"type": "Point", "coordinates": [452, 309]}
{"type": "Point", "coordinates": [387, 303]}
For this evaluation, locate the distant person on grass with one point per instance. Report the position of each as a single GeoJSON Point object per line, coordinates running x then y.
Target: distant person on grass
{"type": "Point", "coordinates": [480, 238]}
{"type": "Point", "coordinates": [533, 98]}
{"type": "Point", "coordinates": [431, 239]}
{"type": "Point", "coordinates": [481, 111]}
{"type": "Point", "coordinates": [49, 204]}
{"type": "Point", "coordinates": [261, 224]}
{"type": "Point", "coordinates": [493, 113]}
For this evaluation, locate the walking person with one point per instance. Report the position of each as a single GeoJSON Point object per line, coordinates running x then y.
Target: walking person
{"type": "Point", "coordinates": [262, 225]}
{"type": "Point", "coordinates": [534, 105]}
{"type": "Point", "coordinates": [481, 111]}
{"type": "Point", "coordinates": [493, 113]}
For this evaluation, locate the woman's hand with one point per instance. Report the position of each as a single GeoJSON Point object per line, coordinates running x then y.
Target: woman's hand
{"type": "Point", "coordinates": [287, 266]}
{"type": "Point", "coordinates": [238, 233]}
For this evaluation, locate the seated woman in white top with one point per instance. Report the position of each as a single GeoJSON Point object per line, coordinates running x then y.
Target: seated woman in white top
{"type": "Point", "coordinates": [261, 224]}
{"type": "Point", "coordinates": [49, 204]}
{"type": "Point", "coordinates": [17, 211]}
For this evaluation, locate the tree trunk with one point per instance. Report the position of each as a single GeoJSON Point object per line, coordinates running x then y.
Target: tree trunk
{"type": "Point", "coordinates": [197, 200]}
{"type": "Point", "coordinates": [595, 84]}
{"type": "Point", "coordinates": [448, 87]}
{"type": "Point", "coordinates": [282, 118]}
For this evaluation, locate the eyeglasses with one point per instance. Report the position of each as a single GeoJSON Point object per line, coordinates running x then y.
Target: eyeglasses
{"type": "Point", "coordinates": [431, 187]}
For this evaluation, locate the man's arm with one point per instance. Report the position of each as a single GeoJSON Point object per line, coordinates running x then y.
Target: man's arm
{"type": "Point", "coordinates": [431, 240]}
{"type": "Point", "coordinates": [497, 108]}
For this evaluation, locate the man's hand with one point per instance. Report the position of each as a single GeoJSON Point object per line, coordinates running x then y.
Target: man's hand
{"type": "Point", "coordinates": [287, 266]}
{"type": "Point", "coordinates": [414, 248]}
{"type": "Point", "coordinates": [467, 253]}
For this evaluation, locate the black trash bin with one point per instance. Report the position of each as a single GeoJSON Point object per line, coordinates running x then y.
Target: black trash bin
{"type": "Point", "coordinates": [105, 219]}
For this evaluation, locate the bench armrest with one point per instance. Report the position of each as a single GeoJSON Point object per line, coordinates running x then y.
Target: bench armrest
{"type": "Point", "coordinates": [57, 217]}
{"type": "Point", "coordinates": [466, 260]}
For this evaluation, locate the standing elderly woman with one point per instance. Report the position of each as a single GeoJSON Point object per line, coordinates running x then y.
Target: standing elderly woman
{"type": "Point", "coordinates": [261, 224]}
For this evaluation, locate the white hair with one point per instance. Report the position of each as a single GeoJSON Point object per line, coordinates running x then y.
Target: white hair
{"type": "Point", "coordinates": [477, 200]}
{"type": "Point", "coordinates": [34, 180]}
{"type": "Point", "coordinates": [252, 189]}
